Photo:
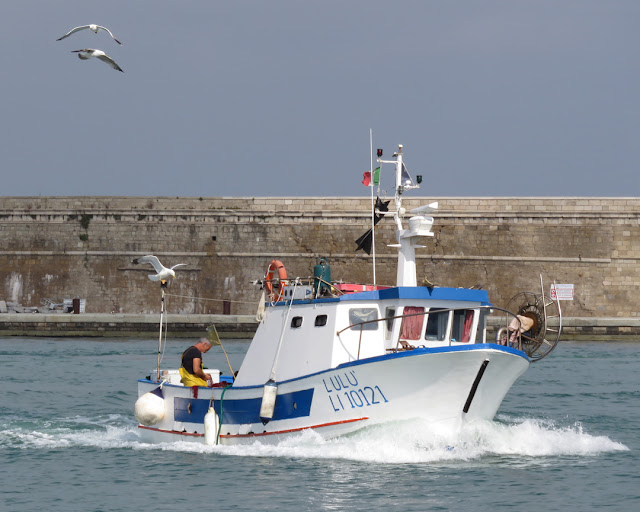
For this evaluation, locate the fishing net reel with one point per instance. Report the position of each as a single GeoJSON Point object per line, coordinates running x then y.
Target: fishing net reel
{"type": "Point", "coordinates": [540, 322]}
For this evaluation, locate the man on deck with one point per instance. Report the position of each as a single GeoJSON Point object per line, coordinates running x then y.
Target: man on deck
{"type": "Point", "coordinates": [191, 370]}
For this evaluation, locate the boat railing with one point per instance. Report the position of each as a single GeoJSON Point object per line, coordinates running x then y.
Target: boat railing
{"type": "Point", "coordinates": [322, 288]}
{"type": "Point", "coordinates": [506, 335]}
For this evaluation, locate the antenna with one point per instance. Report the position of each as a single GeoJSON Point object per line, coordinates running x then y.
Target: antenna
{"type": "Point", "coordinates": [373, 210]}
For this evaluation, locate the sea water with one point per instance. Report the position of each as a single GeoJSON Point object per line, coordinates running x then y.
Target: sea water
{"type": "Point", "coordinates": [565, 438]}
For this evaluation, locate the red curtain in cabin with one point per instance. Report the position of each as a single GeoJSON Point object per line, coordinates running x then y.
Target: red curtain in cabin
{"type": "Point", "coordinates": [412, 325]}
{"type": "Point", "coordinates": [466, 330]}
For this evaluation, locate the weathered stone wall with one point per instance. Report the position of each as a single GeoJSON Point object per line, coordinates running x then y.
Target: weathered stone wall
{"type": "Point", "coordinates": [65, 247]}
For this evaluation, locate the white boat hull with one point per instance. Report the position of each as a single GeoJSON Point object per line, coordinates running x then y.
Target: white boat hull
{"type": "Point", "coordinates": [448, 385]}
{"type": "Point", "coordinates": [338, 357]}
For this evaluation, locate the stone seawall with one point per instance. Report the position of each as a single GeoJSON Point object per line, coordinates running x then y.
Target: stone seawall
{"type": "Point", "coordinates": [125, 325]}
{"type": "Point", "coordinates": [53, 248]}
{"type": "Point", "coordinates": [90, 325]}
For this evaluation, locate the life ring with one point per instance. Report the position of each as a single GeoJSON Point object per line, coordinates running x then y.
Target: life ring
{"type": "Point", "coordinates": [275, 285]}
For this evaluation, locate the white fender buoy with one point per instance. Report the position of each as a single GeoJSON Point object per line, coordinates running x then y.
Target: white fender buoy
{"type": "Point", "coordinates": [149, 408]}
{"type": "Point", "coordinates": [211, 425]}
{"type": "Point", "coordinates": [268, 401]}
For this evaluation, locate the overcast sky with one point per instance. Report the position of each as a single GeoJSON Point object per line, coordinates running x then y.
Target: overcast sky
{"type": "Point", "coordinates": [273, 98]}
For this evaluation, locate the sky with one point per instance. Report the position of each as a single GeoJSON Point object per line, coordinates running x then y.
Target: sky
{"type": "Point", "coordinates": [252, 98]}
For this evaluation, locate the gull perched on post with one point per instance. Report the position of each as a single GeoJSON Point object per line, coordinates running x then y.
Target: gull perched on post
{"type": "Point", "coordinates": [93, 27]}
{"type": "Point", "coordinates": [87, 53]}
{"type": "Point", "coordinates": [164, 274]}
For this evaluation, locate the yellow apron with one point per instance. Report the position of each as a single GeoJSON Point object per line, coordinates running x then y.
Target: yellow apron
{"type": "Point", "coordinates": [189, 379]}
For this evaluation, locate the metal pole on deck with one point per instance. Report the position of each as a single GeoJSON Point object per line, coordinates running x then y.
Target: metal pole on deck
{"type": "Point", "coordinates": [373, 210]}
{"type": "Point", "coordinates": [162, 286]}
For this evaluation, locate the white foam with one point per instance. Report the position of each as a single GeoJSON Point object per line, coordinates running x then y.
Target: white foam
{"type": "Point", "coordinates": [419, 442]}
{"type": "Point", "coordinates": [402, 442]}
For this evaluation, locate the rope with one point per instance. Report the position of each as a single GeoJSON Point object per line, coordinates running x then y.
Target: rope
{"type": "Point", "coordinates": [204, 298]}
{"type": "Point", "coordinates": [221, 411]}
{"type": "Point", "coordinates": [348, 265]}
{"type": "Point", "coordinates": [284, 325]}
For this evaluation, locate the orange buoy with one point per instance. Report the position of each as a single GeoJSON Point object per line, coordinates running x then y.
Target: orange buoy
{"type": "Point", "coordinates": [275, 285]}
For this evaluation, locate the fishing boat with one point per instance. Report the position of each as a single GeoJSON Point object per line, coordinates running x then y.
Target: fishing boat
{"type": "Point", "coordinates": [335, 358]}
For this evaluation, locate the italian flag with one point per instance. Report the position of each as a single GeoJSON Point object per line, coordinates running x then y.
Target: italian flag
{"type": "Point", "coordinates": [366, 181]}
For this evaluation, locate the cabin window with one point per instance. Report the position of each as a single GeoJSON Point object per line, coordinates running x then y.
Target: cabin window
{"type": "Point", "coordinates": [482, 324]}
{"type": "Point", "coordinates": [359, 315]}
{"type": "Point", "coordinates": [437, 325]}
{"type": "Point", "coordinates": [321, 320]}
{"type": "Point", "coordinates": [412, 325]}
{"type": "Point", "coordinates": [462, 322]}
{"type": "Point", "coordinates": [296, 321]}
{"type": "Point", "coordinates": [388, 325]}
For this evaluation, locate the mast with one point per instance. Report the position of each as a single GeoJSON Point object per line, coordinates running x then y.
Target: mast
{"type": "Point", "coordinates": [419, 225]}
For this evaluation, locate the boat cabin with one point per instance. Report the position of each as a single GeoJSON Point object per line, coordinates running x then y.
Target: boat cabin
{"type": "Point", "coordinates": [307, 336]}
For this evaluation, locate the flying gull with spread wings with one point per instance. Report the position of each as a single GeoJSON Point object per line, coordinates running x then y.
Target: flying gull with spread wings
{"type": "Point", "coordinates": [95, 28]}
{"type": "Point", "coordinates": [87, 53]}
{"type": "Point", "coordinates": [164, 274]}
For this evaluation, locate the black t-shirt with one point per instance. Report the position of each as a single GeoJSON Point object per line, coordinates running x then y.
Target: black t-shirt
{"type": "Point", "coordinates": [188, 356]}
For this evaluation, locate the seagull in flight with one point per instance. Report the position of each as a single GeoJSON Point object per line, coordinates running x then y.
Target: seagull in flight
{"type": "Point", "coordinates": [87, 53]}
{"type": "Point", "coordinates": [93, 27]}
{"type": "Point", "coordinates": [164, 274]}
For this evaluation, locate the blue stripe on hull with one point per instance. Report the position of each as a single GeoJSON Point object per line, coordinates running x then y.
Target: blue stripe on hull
{"type": "Point", "coordinates": [436, 350]}
{"type": "Point", "coordinates": [189, 410]}
{"type": "Point", "coordinates": [417, 352]}
{"type": "Point", "coordinates": [244, 411]}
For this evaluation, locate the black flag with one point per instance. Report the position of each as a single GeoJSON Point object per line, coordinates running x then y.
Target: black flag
{"type": "Point", "coordinates": [365, 242]}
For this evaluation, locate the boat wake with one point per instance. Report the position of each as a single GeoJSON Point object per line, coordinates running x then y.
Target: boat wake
{"type": "Point", "coordinates": [419, 442]}
{"type": "Point", "coordinates": [506, 440]}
